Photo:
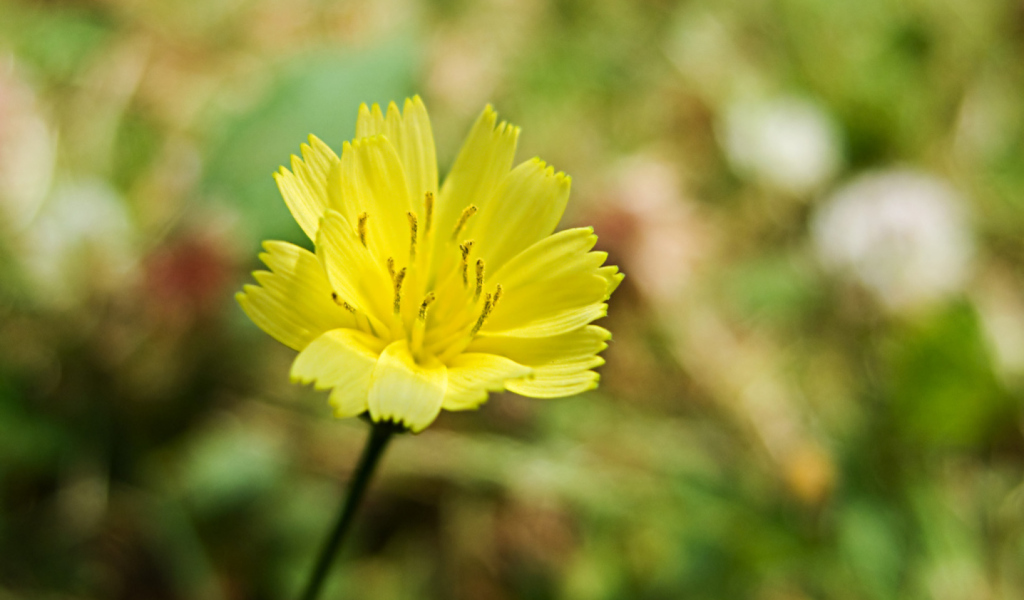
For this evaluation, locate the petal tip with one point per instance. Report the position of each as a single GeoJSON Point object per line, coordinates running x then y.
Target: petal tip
{"type": "Point", "coordinates": [273, 245]}
{"type": "Point", "coordinates": [509, 130]}
{"type": "Point", "coordinates": [294, 375]}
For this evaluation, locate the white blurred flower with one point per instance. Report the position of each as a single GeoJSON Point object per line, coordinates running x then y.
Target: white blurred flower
{"type": "Point", "coordinates": [27, 150]}
{"type": "Point", "coordinates": [82, 239]}
{"type": "Point", "coordinates": [788, 143]}
{"type": "Point", "coordinates": [903, 235]}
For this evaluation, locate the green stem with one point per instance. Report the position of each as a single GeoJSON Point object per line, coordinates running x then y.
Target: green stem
{"type": "Point", "coordinates": [380, 434]}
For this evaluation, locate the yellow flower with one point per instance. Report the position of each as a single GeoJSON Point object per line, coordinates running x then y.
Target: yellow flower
{"type": "Point", "coordinates": [418, 300]}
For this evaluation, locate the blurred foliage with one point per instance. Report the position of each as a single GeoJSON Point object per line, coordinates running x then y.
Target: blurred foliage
{"type": "Point", "coordinates": [309, 96]}
{"type": "Point", "coordinates": [770, 425]}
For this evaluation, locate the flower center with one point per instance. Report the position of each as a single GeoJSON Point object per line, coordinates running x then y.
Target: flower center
{"type": "Point", "coordinates": [453, 306]}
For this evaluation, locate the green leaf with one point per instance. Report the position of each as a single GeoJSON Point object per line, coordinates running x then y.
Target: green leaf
{"type": "Point", "coordinates": [872, 549]}
{"type": "Point", "coordinates": [941, 382]}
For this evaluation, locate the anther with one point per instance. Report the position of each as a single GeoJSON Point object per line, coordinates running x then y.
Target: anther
{"type": "Point", "coordinates": [423, 305]}
{"type": "Point", "coordinates": [488, 305]}
{"type": "Point", "coordinates": [497, 296]}
{"type": "Point", "coordinates": [391, 268]}
{"type": "Point", "coordinates": [465, 248]}
{"type": "Point", "coordinates": [429, 201]}
{"type": "Point", "coordinates": [479, 279]}
{"type": "Point", "coordinates": [342, 303]}
{"type": "Point", "coordinates": [413, 231]}
{"type": "Point", "coordinates": [467, 212]}
{"type": "Point", "coordinates": [399, 277]}
{"type": "Point", "coordinates": [362, 228]}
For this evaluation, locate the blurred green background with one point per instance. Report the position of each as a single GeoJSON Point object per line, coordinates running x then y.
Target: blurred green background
{"type": "Point", "coordinates": [816, 381]}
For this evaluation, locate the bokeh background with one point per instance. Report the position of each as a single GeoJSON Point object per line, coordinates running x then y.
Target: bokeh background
{"type": "Point", "coordinates": [815, 385]}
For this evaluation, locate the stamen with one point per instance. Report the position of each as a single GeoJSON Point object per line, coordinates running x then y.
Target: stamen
{"type": "Point", "coordinates": [465, 248]}
{"type": "Point", "coordinates": [467, 212]}
{"type": "Point", "coordinates": [429, 201]}
{"type": "Point", "coordinates": [391, 268]}
{"type": "Point", "coordinates": [419, 328]}
{"type": "Point", "coordinates": [365, 324]}
{"type": "Point", "coordinates": [423, 306]}
{"type": "Point", "coordinates": [362, 228]}
{"type": "Point", "coordinates": [488, 305]}
{"type": "Point", "coordinates": [399, 277]}
{"type": "Point", "coordinates": [342, 303]}
{"type": "Point", "coordinates": [497, 296]}
{"type": "Point", "coordinates": [479, 279]}
{"type": "Point", "coordinates": [412, 240]}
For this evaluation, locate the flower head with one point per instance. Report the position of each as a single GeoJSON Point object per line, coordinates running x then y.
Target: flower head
{"type": "Point", "coordinates": [419, 299]}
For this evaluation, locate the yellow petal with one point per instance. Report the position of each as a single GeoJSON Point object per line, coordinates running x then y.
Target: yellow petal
{"type": "Point", "coordinates": [574, 347]}
{"type": "Point", "coordinates": [410, 133]}
{"type": "Point", "coordinates": [304, 188]}
{"type": "Point", "coordinates": [546, 385]}
{"type": "Point", "coordinates": [560, 364]}
{"type": "Point", "coordinates": [472, 375]}
{"type": "Point", "coordinates": [370, 121]}
{"type": "Point", "coordinates": [526, 208]}
{"type": "Point", "coordinates": [318, 157]}
{"type": "Point", "coordinates": [612, 276]}
{"type": "Point", "coordinates": [373, 180]}
{"type": "Point", "coordinates": [554, 286]}
{"type": "Point", "coordinates": [413, 139]}
{"type": "Point", "coordinates": [340, 194]}
{"type": "Point", "coordinates": [293, 301]}
{"type": "Point", "coordinates": [485, 158]}
{"type": "Point", "coordinates": [342, 359]}
{"type": "Point", "coordinates": [405, 392]}
{"type": "Point", "coordinates": [354, 274]}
